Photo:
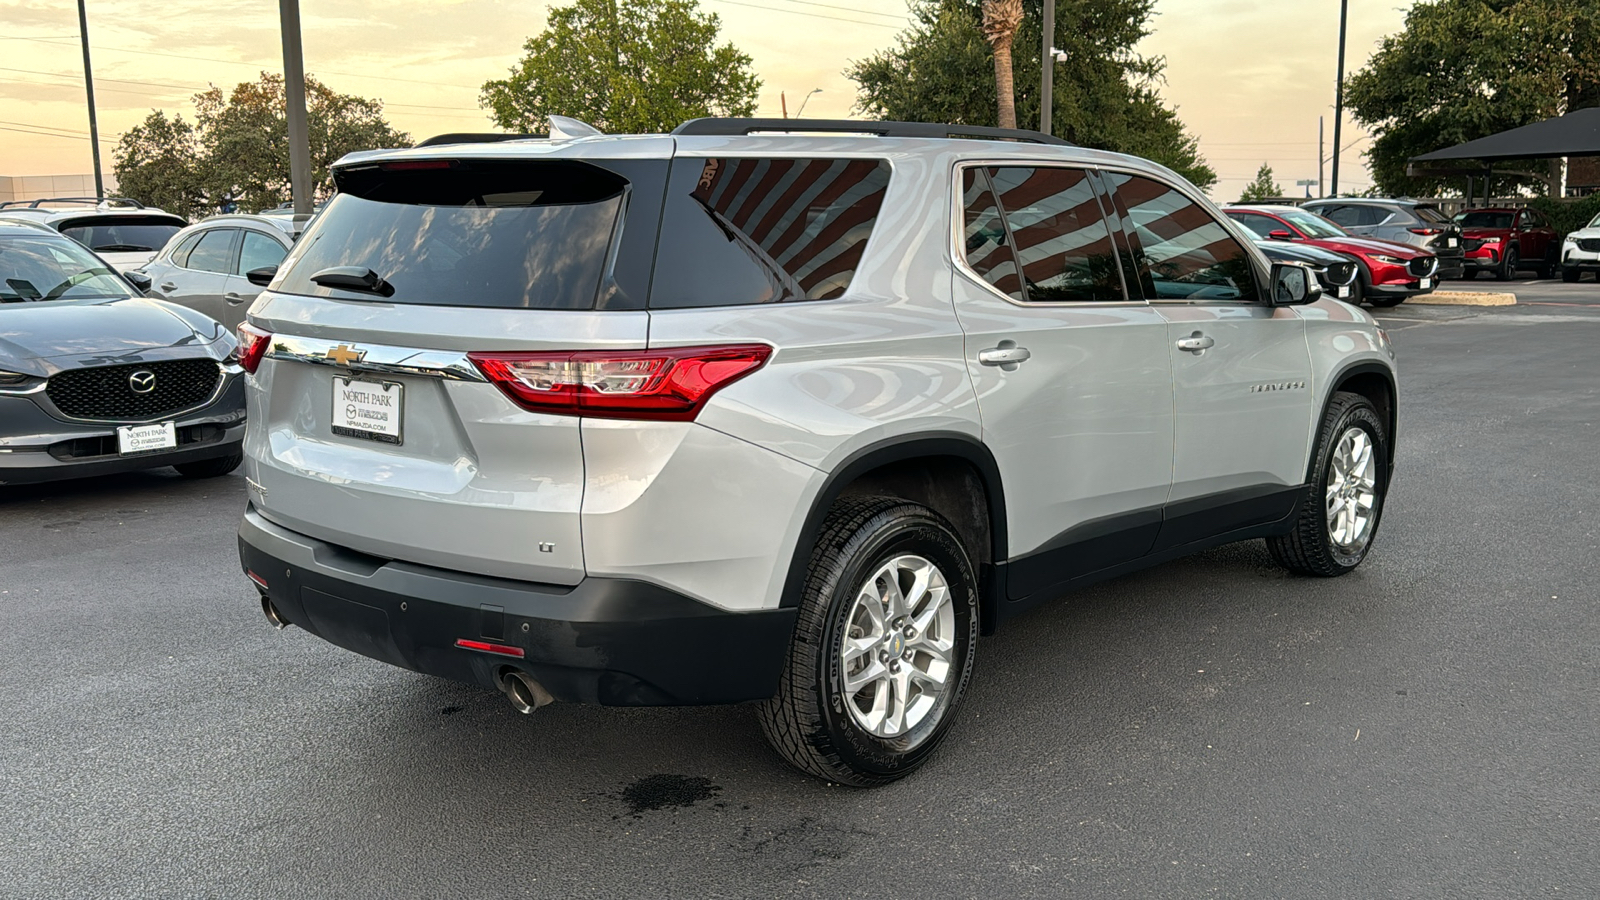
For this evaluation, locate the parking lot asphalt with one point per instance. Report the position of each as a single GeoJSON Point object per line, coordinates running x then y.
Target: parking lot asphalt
{"type": "Point", "coordinates": [1423, 728]}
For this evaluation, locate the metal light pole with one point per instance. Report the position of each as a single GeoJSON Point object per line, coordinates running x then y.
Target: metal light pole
{"type": "Point", "coordinates": [807, 99]}
{"type": "Point", "coordinates": [294, 92]}
{"type": "Point", "coordinates": [1338, 97]}
{"type": "Point", "coordinates": [1047, 68]}
{"type": "Point", "coordinates": [88, 83]}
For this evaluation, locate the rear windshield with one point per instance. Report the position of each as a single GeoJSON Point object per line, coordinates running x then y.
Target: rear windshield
{"type": "Point", "coordinates": [487, 233]}
{"type": "Point", "coordinates": [1431, 214]}
{"type": "Point", "coordinates": [765, 230]}
{"type": "Point", "coordinates": [119, 234]}
{"type": "Point", "coordinates": [1485, 219]}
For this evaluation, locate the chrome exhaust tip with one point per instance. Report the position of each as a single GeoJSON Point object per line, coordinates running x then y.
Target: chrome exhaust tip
{"type": "Point", "coordinates": [272, 614]}
{"type": "Point", "coordinates": [526, 694]}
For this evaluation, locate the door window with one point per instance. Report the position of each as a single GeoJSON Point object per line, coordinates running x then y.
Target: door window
{"type": "Point", "coordinates": [1187, 254]}
{"type": "Point", "coordinates": [1061, 239]}
{"type": "Point", "coordinates": [1259, 224]}
{"type": "Point", "coordinates": [214, 253]}
{"type": "Point", "coordinates": [984, 241]}
{"type": "Point", "coordinates": [259, 251]}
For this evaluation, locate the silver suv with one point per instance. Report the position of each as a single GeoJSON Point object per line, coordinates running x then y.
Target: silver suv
{"type": "Point", "coordinates": [733, 415]}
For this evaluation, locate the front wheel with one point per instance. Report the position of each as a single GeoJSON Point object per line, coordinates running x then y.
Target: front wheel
{"type": "Point", "coordinates": [1340, 511]}
{"type": "Point", "coordinates": [1508, 267]}
{"type": "Point", "coordinates": [883, 645]}
{"type": "Point", "coordinates": [1570, 275]}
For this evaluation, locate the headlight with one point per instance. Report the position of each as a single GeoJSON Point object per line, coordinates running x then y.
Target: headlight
{"type": "Point", "coordinates": [1393, 261]}
{"type": "Point", "coordinates": [11, 379]}
{"type": "Point", "coordinates": [1490, 240]}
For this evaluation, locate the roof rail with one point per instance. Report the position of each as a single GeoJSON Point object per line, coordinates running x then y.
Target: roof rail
{"type": "Point", "coordinates": [93, 201]}
{"type": "Point", "coordinates": [465, 137]}
{"type": "Point", "coordinates": [851, 126]}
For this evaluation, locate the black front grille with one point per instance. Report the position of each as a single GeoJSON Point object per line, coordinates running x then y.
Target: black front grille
{"type": "Point", "coordinates": [1589, 245]}
{"type": "Point", "coordinates": [105, 392]}
{"type": "Point", "coordinates": [1341, 274]}
{"type": "Point", "coordinates": [1421, 267]}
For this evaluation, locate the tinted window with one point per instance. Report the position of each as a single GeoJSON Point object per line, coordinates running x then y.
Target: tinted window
{"type": "Point", "coordinates": [1261, 225]}
{"type": "Point", "coordinates": [258, 251]}
{"type": "Point", "coordinates": [52, 269]}
{"type": "Point", "coordinates": [1188, 255]}
{"type": "Point", "coordinates": [214, 253]}
{"type": "Point", "coordinates": [1484, 220]}
{"type": "Point", "coordinates": [742, 231]}
{"type": "Point", "coordinates": [492, 233]}
{"type": "Point", "coordinates": [1313, 225]}
{"type": "Point", "coordinates": [1061, 238]}
{"type": "Point", "coordinates": [114, 234]}
{"type": "Point", "coordinates": [985, 243]}
{"type": "Point", "coordinates": [1353, 216]}
{"type": "Point", "coordinates": [180, 256]}
{"type": "Point", "coordinates": [1431, 214]}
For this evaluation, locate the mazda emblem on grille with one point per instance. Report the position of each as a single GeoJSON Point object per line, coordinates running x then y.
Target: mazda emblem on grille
{"type": "Point", "coordinates": [142, 381]}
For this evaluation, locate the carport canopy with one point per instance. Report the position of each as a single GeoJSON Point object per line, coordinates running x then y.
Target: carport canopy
{"type": "Point", "coordinates": [1574, 134]}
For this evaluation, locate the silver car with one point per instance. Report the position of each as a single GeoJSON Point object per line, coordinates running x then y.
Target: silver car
{"type": "Point", "coordinates": [123, 232]}
{"type": "Point", "coordinates": [95, 379]}
{"type": "Point", "coordinates": [731, 414]}
{"type": "Point", "coordinates": [207, 266]}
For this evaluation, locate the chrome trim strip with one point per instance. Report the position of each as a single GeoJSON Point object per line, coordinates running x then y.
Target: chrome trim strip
{"type": "Point", "coordinates": [378, 359]}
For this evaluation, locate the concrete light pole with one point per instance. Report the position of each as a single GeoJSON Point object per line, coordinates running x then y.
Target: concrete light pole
{"type": "Point", "coordinates": [88, 83]}
{"type": "Point", "coordinates": [294, 92]}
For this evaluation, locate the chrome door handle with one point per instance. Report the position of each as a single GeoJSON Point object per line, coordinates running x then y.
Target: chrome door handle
{"type": "Point", "coordinates": [233, 298]}
{"type": "Point", "coordinates": [1197, 343]}
{"type": "Point", "coordinates": [1007, 354]}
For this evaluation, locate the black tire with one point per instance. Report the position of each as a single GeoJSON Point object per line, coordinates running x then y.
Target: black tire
{"type": "Point", "coordinates": [1570, 276]}
{"type": "Point", "coordinates": [211, 468]}
{"type": "Point", "coordinates": [807, 722]}
{"type": "Point", "coordinates": [1356, 292]}
{"type": "Point", "coordinates": [1508, 265]}
{"type": "Point", "coordinates": [1309, 549]}
{"type": "Point", "coordinates": [1549, 267]}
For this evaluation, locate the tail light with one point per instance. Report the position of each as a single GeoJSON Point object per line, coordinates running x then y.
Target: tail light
{"type": "Point", "coordinates": [252, 346]}
{"type": "Point", "coordinates": [671, 384]}
{"type": "Point", "coordinates": [1426, 231]}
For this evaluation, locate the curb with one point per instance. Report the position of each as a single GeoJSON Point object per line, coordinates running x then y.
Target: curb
{"type": "Point", "coordinates": [1464, 298]}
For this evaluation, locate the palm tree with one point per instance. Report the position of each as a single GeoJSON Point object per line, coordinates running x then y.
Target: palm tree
{"type": "Point", "coordinates": [1001, 19]}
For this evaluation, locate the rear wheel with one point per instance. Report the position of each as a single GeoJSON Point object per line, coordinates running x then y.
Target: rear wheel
{"type": "Point", "coordinates": [210, 468]}
{"type": "Point", "coordinates": [1342, 506]}
{"type": "Point", "coordinates": [883, 645]}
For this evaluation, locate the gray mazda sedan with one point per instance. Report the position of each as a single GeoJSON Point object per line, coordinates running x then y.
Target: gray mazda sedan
{"type": "Point", "coordinates": [95, 379]}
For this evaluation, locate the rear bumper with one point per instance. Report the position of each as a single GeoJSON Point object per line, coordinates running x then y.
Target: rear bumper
{"type": "Point", "coordinates": [610, 641]}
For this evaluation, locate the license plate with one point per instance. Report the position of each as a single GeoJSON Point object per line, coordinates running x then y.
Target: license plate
{"type": "Point", "coordinates": [1450, 243]}
{"type": "Point", "coordinates": [368, 409]}
{"type": "Point", "coordinates": [1425, 283]}
{"type": "Point", "coordinates": [133, 439]}
{"type": "Point", "coordinates": [1344, 292]}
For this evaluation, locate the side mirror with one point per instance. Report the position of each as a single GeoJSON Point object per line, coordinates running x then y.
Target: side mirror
{"type": "Point", "coordinates": [139, 280]}
{"type": "Point", "coordinates": [1293, 285]}
{"type": "Point", "coordinates": [1280, 235]}
{"type": "Point", "coordinates": [262, 276]}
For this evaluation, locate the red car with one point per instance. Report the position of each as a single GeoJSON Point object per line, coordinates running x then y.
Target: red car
{"type": "Point", "coordinates": [1390, 272]}
{"type": "Point", "coordinates": [1502, 240]}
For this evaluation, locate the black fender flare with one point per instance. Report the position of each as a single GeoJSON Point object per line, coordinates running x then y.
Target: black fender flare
{"type": "Point", "coordinates": [893, 450]}
{"type": "Point", "coordinates": [1364, 367]}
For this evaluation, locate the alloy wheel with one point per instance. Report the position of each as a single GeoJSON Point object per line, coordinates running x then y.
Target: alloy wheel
{"type": "Point", "coordinates": [1352, 491]}
{"type": "Point", "coordinates": [897, 649]}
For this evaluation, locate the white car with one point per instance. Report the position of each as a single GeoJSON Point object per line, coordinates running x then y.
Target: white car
{"type": "Point", "coordinates": [1580, 252]}
{"type": "Point", "coordinates": [125, 233]}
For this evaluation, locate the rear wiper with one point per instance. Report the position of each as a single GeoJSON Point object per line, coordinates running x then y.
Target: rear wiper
{"type": "Point", "coordinates": [121, 248]}
{"type": "Point", "coordinates": [354, 278]}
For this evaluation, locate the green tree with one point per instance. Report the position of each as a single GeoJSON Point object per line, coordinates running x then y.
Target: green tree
{"type": "Point", "coordinates": [1263, 188]}
{"type": "Point", "coordinates": [239, 146]}
{"type": "Point", "coordinates": [624, 66]}
{"type": "Point", "coordinates": [941, 70]}
{"type": "Point", "coordinates": [1465, 69]}
{"type": "Point", "coordinates": [157, 163]}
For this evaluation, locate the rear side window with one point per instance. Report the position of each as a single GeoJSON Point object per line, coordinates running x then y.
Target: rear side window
{"type": "Point", "coordinates": [1062, 241]}
{"type": "Point", "coordinates": [986, 245]}
{"type": "Point", "coordinates": [259, 251]}
{"type": "Point", "coordinates": [487, 233]}
{"type": "Point", "coordinates": [739, 231]}
{"type": "Point", "coordinates": [214, 253]}
{"type": "Point", "coordinates": [1187, 254]}
{"type": "Point", "coordinates": [180, 255]}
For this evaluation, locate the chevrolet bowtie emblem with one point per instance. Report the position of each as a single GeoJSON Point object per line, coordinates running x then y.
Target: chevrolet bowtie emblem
{"type": "Point", "coordinates": [344, 355]}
